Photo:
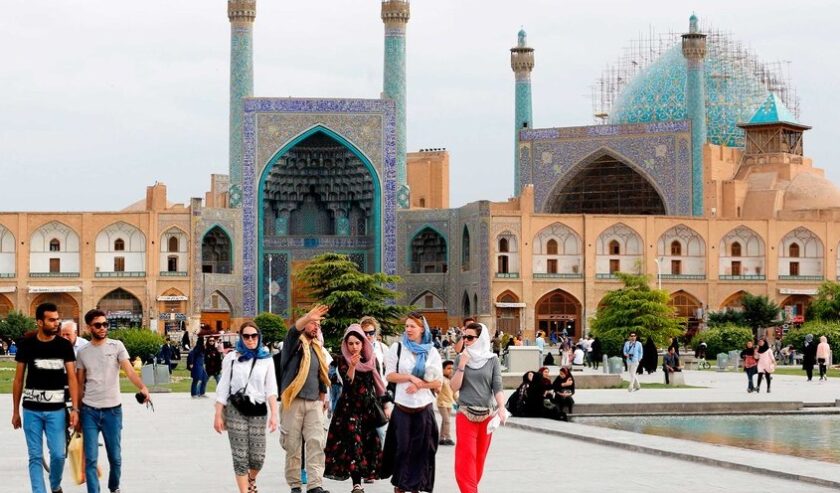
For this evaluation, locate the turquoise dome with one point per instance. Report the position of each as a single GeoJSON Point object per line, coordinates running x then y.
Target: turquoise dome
{"type": "Point", "coordinates": [657, 94]}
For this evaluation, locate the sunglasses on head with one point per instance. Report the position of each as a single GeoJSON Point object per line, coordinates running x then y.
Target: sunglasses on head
{"type": "Point", "coordinates": [250, 336]}
{"type": "Point", "coordinates": [470, 337]}
{"type": "Point", "coordinates": [100, 325]}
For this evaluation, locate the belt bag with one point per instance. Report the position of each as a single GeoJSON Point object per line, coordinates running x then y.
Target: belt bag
{"type": "Point", "coordinates": [242, 402]}
{"type": "Point", "coordinates": [475, 414]}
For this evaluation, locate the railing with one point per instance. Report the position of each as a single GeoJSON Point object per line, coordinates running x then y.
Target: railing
{"type": "Point", "coordinates": [507, 275]}
{"type": "Point", "coordinates": [557, 275]}
{"type": "Point", "coordinates": [6, 275]}
{"type": "Point", "coordinates": [605, 276]}
{"type": "Point", "coordinates": [168, 273]}
{"type": "Point", "coordinates": [53, 274]}
{"type": "Point", "coordinates": [684, 277]}
{"type": "Point", "coordinates": [746, 277]}
{"type": "Point", "coordinates": [121, 274]}
{"type": "Point", "coordinates": [801, 278]}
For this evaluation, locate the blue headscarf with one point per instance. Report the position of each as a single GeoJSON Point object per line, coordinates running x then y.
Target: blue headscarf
{"type": "Point", "coordinates": [245, 354]}
{"type": "Point", "coordinates": [420, 350]}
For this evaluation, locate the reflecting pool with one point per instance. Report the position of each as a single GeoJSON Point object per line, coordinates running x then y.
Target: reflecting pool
{"type": "Point", "coordinates": [810, 436]}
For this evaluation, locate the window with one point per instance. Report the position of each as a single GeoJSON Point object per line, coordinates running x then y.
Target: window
{"type": "Point", "coordinates": [465, 250]}
{"type": "Point", "coordinates": [55, 265]}
{"type": "Point", "coordinates": [503, 245]}
{"type": "Point", "coordinates": [676, 267]}
{"type": "Point", "coordinates": [119, 245]}
{"type": "Point", "coordinates": [794, 268]}
{"type": "Point", "coordinates": [422, 202]}
{"type": "Point", "coordinates": [793, 250]}
{"type": "Point", "coordinates": [55, 245]}
{"type": "Point", "coordinates": [503, 264]}
{"type": "Point", "coordinates": [551, 247]}
{"type": "Point", "coordinates": [214, 301]}
{"type": "Point", "coordinates": [736, 268]}
{"type": "Point", "coordinates": [119, 264]}
{"type": "Point", "coordinates": [615, 265]}
{"type": "Point", "coordinates": [172, 263]}
{"type": "Point", "coordinates": [615, 248]}
{"type": "Point", "coordinates": [676, 248]}
{"type": "Point", "coordinates": [173, 243]}
{"type": "Point", "coordinates": [736, 249]}
{"type": "Point", "coordinates": [551, 267]}
{"type": "Point", "coordinates": [429, 300]}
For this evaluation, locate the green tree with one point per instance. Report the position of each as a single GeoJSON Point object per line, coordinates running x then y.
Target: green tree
{"type": "Point", "coordinates": [334, 280]}
{"type": "Point", "coordinates": [139, 342]}
{"type": "Point", "coordinates": [273, 327]}
{"type": "Point", "coordinates": [726, 316]}
{"type": "Point", "coordinates": [759, 311]}
{"type": "Point", "coordinates": [16, 324]}
{"type": "Point", "coordinates": [826, 305]}
{"type": "Point", "coordinates": [635, 307]}
{"type": "Point", "coordinates": [831, 330]}
{"type": "Point", "coordinates": [723, 338]}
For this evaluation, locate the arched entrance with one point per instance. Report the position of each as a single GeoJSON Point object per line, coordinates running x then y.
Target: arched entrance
{"type": "Point", "coordinates": [216, 252]}
{"type": "Point", "coordinates": [558, 310]}
{"type": "Point", "coordinates": [607, 186]}
{"type": "Point", "coordinates": [433, 308]}
{"type": "Point", "coordinates": [5, 306]}
{"type": "Point", "coordinates": [172, 310]}
{"type": "Point", "coordinates": [122, 308]}
{"type": "Point", "coordinates": [508, 309]}
{"type": "Point", "coordinates": [428, 252]}
{"type": "Point", "coordinates": [688, 307]}
{"type": "Point", "coordinates": [734, 301]}
{"type": "Point", "coordinates": [795, 307]}
{"type": "Point", "coordinates": [216, 312]}
{"type": "Point", "coordinates": [68, 308]}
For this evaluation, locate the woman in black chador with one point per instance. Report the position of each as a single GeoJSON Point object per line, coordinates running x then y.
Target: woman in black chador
{"type": "Point", "coordinates": [650, 357]}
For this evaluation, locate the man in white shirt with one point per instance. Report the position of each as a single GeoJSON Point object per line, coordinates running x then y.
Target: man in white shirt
{"type": "Point", "coordinates": [69, 331]}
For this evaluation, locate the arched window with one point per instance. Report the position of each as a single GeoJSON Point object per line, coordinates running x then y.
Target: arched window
{"type": "Point", "coordinates": [465, 250]}
{"type": "Point", "coordinates": [119, 245]}
{"type": "Point", "coordinates": [503, 245]}
{"type": "Point", "coordinates": [793, 250]}
{"type": "Point", "coordinates": [551, 247]}
{"type": "Point", "coordinates": [735, 249]}
{"type": "Point", "coordinates": [216, 254]}
{"type": "Point", "coordinates": [428, 252]}
{"type": "Point", "coordinates": [465, 305]}
{"type": "Point", "coordinates": [55, 245]}
{"type": "Point", "coordinates": [615, 248]}
{"type": "Point", "coordinates": [173, 244]}
{"type": "Point", "coordinates": [676, 248]}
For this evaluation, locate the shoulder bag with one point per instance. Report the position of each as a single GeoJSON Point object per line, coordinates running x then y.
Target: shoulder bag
{"type": "Point", "coordinates": [241, 401]}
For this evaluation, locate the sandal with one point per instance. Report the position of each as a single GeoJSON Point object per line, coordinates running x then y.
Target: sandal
{"type": "Point", "coordinates": [357, 488]}
{"type": "Point", "coordinates": [252, 484]}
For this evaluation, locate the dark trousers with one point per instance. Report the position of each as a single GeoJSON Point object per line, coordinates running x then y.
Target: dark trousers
{"type": "Point", "coordinates": [762, 374]}
{"type": "Point", "coordinates": [809, 370]}
{"type": "Point", "coordinates": [750, 374]}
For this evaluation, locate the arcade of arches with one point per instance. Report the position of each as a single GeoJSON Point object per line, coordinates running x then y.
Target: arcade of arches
{"type": "Point", "coordinates": [122, 308]}
{"type": "Point", "coordinates": [556, 311]}
{"type": "Point", "coordinates": [68, 307]}
{"type": "Point", "coordinates": [608, 186]}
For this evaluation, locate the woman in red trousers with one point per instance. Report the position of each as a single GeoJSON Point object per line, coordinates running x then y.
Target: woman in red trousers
{"type": "Point", "coordinates": [478, 380]}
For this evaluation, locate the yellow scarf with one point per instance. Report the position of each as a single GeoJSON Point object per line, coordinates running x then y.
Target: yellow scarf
{"type": "Point", "coordinates": [303, 371]}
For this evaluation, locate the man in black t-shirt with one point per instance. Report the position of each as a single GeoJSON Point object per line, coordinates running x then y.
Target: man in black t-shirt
{"type": "Point", "coordinates": [45, 364]}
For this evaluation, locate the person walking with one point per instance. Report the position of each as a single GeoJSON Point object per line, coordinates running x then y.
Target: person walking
{"type": "Point", "coordinates": [45, 364]}
{"type": "Point", "coordinates": [411, 441]}
{"type": "Point", "coordinates": [99, 364]}
{"type": "Point", "coordinates": [478, 381]}
{"type": "Point", "coordinates": [195, 364]}
{"type": "Point", "coordinates": [213, 359]}
{"type": "Point", "coordinates": [823, 356]}
{"type": "Point", "coordinates": [304, 382]}
{"type": "Point", "coordinates": [353, 446]}
{"type": "Point", "coordinates": [750, 359]}
{"type": "Point", "coordinates": [809, 356]}
{"type": "Point", "coordinates": [597, 353]}
{"type": "Point", "coordinates": [766, 363]}
{"type": "Point", "coordinates": [632, 355]}
{"type": "Point", "coordinates": [247, 371]}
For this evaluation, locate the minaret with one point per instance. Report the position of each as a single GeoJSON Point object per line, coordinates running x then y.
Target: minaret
{"type": "Point", "coordinates": [241, 14]}
{"type": "Point", "coordinates": [395, 14]}
{"type": "Point", "coordinates": [522, 62]}
{"type": "Point", "coordinates": [694, 51]}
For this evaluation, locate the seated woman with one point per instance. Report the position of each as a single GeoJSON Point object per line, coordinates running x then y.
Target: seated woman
{"type": "Point", "coordinates": [518, 399]}
{"type": "Point", "coordinates": [538, 390]}
{"type": "Point", "coordinates": [564, 389]}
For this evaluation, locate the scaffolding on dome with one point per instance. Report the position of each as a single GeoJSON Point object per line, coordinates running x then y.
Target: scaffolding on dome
{"type": "Point", "coordinates": [647, 49]}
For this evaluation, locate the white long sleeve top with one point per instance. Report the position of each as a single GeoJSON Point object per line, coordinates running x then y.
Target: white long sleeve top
{"type": "Point", "coordinates": [434, 371]}
{"type": "Point", "coordinates": [262, 384]}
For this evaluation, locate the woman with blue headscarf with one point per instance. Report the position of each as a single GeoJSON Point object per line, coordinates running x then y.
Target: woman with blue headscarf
{"type": "Point", "coordinates": [246, 397]}
{"type": "Point", "coordinates": [414, 365]}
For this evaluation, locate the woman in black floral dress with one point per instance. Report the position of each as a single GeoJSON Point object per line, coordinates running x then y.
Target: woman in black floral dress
{"type": "Point", "coordinates": [353, 447]}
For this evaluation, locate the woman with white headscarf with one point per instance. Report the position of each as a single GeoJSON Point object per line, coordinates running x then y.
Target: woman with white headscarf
{"type": "Point", "coordinates": [478, 379]}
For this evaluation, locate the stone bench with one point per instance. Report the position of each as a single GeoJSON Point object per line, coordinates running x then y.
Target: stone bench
{"type": "Point", "coordinates": [676, 378]}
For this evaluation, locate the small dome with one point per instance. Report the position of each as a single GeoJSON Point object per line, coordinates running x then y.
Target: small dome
{"type": "Point", "coordinates": [811, 192]}
{"type": "Point", "coordinates": [522, 38]}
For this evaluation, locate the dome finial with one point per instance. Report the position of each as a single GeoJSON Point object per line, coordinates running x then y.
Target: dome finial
{"type": "Point", "coordinates": [692, 24]}
{"type": "Point", "coordinates": [523, 38]}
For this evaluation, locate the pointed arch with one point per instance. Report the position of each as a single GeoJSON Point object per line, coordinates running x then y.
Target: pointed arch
{"type": "Point", "coordinates": [507, 296]}
{"type": "Point", "coordinates": [465, 249]}
{"type": "Point", "coordinates": [742, 255]}
{"type": "Point", "coordinates": [428, 300]}
{"type": "Point", "coordinates": [682, 253]}
{"type": "Point", "coordinates": [6, 306]}
{"type": "Point", "coordinates": [54, 251]}
{"type": "Point", "coordinates": [801, 255]}
{"type": "Point", "coordinates": [122, 308]}
{"type": "Point", "coordinates": [558, 310]}
{"type": "Point", "coordinates": [618, 249]}
{"type": "Point", "coordinates": [68, 306]}
{"type": "Point", "coordinates": [466, 308]}
{"type": "Point", "coordinates": [734, 301]}
{"type": "Point", "coordinates": [216, 251]}
{"type": "Point", "coordinates": [7, 253]}
{"type": "Point", "coordinates": [428, 251]}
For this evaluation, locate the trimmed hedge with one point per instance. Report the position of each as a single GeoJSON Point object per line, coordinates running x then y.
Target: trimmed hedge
{"type": "Point", "coordinates": [830, 330]}
{"type": "Point", "coordinates": [723, 338]}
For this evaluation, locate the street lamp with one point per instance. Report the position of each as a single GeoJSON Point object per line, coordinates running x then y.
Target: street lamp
{"type": "Point", "coordinates": [269, 282]}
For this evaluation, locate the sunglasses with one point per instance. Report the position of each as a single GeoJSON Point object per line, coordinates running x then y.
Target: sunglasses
{"type": "Point", "coordinates": [371, 333]}
{"type": "Point", "coordinates": [470, 338]}
{"type": "Point", "coordinates": [100, 325]}
{"type": "Point", "coordinates": [250, 336]}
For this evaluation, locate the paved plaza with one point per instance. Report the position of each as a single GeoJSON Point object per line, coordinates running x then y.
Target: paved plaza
{"type": "Point", "coordinates": [174, 450]}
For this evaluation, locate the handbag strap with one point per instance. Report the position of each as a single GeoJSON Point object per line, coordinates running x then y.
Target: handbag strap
{"type": "Point", "coordinates": [253, 363]}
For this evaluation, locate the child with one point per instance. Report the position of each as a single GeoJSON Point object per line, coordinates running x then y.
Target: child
{"type": "Point", "coordinates": [445, 400]}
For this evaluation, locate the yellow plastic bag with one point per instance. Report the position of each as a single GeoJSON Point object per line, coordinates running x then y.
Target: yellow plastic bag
{"type": "Point", "coordinates": [76, 454]}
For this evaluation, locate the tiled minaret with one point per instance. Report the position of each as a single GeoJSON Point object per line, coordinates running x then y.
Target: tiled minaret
{"type": "Point", "coordinates": [522, 62]}
{"type": "Point", "coordinates": [241, 14]}
{"type": "Point", "coordinates": [694, 51]}
{"type": "Point", "coordinates": [395, 15]}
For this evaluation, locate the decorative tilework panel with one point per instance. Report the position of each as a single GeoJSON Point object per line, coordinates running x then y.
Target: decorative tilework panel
{"type": "Point", "coordinates": [241, 86]}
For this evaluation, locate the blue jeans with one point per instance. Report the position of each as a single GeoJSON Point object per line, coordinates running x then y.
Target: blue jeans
{"type": "Point", "coordinates": [52, 424]}
{"type": "Point", "coordinates": [199, 385]}
{"type": "Point", "coordinates": [109, 422]}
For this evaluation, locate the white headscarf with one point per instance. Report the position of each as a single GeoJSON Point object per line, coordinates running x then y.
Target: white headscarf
{"type": "Point", "coordinates": [480, 351]}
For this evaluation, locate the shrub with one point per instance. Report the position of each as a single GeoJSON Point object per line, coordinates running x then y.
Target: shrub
{"type": "Point", "coordinates": [16, 324]}
{"type": "Point", "coordinates": [273, 327]}
{"type": "Point", "coordinates": [723, 338]}
{"type": "Point", "coordinates": [830, 330]}
{"type": "Point", "coordinates": [139, 342]}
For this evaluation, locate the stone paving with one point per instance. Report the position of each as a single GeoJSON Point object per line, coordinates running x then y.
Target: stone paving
{"type": "Point", "coordinates": [176, 450]}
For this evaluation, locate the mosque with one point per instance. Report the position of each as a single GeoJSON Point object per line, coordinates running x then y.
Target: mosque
{"type": "Point", "coordinates": [698, 180]}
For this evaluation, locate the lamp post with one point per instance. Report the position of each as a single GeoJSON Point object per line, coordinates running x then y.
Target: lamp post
{"type": "Point", "coordinates": [269, 283]}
